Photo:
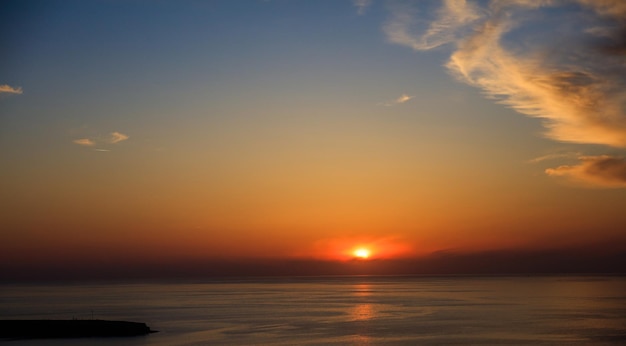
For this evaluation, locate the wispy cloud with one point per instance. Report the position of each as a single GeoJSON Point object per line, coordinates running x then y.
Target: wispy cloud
{"type": "Point", "coordinates": [451, 20]}
{"type": "Point", "coordinates": [594, 171]}
{"type": "Point", "coordinates": [85, 142]}
{"type": "Point", "coordinates": [112, 138]}
{"type": "Point", "coordinates": [7, 89]}
{"type": "Point", "coordinates": [579, 90]}
{"type": "Point", "coordinates": [401, 99]}
{"type": "Point", "coordinates": [554, 156]}
{"type": "Point", "coordinates": [362, 5]}
{"type": "Point", "coordinates": [117, 137]}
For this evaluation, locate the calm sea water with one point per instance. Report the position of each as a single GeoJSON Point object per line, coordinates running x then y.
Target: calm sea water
{"type": "Point", "coordinates": [341, 310]}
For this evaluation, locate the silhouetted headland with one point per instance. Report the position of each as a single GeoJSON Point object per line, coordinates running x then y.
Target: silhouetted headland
{"type": "Point", "coordinates": [45, 329]}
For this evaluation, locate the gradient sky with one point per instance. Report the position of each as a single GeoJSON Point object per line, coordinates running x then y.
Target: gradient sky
{"type": "Point", "coordinates": [151, 131]}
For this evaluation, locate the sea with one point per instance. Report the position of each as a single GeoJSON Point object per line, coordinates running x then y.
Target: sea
{"type": "Point", "coordinates": [351, 310]}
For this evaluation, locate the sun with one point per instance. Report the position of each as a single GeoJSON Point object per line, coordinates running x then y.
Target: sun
{"type": "Point", "coordinates": [362, 253]}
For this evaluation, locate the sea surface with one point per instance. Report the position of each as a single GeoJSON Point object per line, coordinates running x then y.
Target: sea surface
{"type": "Point", "coordinates": [554, 310]}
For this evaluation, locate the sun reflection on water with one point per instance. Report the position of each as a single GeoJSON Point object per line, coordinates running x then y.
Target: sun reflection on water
{"type": "Point", "coordinates": [362, 312]}
{"type": "Point", "coordinates": [362, 290]}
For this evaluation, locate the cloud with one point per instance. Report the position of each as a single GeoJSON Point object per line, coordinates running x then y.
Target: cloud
{"type": "Point", "coordinates": [565, 66]}
{"type": "Point", "coordinates": [596, 171]}
{"type": "Point", "coordinates": [579, 90]}
{"type": "Point", "coordinates": [85, 141]}
{"type": "Point", "coordinates": [7, 89]}
{"type": "Point", "coordinates": [404, 98]}
{"type": "Point", "coordinates": [362, 5]}
{"type": "Point", "coordinates": [451, 18]}
{"type": "Point", "coordinates": [117, 137]}
{"type": "Point", "coordinates": [401, 99]}
{"type": "Point", "coordinates": [554, 156]}
{"type": "Point", "coordinates": [113, 138]}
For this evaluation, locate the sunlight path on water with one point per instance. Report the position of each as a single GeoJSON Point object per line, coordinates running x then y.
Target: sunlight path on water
{"type": "Point", "coordinates": [341, 310]}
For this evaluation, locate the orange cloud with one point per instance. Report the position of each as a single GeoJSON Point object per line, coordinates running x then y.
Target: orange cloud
{"type": "Point", "coordinates": [114, 138]}
{"type": "Point", "coordinates": [117, 137]}
{"type": "Point", "coordinates": [404, 98]}
{"type": "Point", "coordinates": [553, 156]}
{"type": "Point", "coordinates": [85, 141]}
{"type": "Point", "coordinates": [401, 99]}
{"type": "Point", "coordinates": [581, 102]}
{"type": "Point", "coordinates": [579, 90]}
{"type": "Point", "coordinates": [5, 88]}
{"type": "Point", "coordinates": [594, 171]}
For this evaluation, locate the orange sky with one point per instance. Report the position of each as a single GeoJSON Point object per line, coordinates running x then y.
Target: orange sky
{"type": "Point", "coordinates": [301, 132]}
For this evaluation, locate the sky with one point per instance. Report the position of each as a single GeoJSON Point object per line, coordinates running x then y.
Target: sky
{"type": "Point", "coordinates": [280, 136]}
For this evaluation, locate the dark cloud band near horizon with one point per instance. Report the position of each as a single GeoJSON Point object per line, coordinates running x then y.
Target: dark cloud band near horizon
{"type": "Point", "coordinates": [592, 259]}
{"type": "Point", "coordinates": [567, 69]}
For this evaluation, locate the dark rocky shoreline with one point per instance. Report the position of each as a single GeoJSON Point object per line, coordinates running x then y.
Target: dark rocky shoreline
{"type": "Point", "coordinates": [45, 329]}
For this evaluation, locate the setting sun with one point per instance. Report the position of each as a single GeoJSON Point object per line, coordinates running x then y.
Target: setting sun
{"type": "Point", "coordinates": [362, 253]}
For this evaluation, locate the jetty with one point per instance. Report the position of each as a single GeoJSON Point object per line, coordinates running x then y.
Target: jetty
{"type": "Point", "coordinates": [49, 329]}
